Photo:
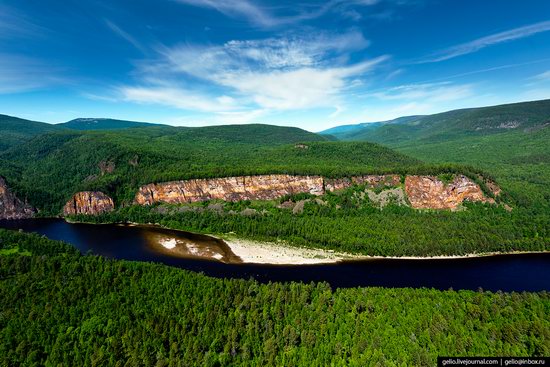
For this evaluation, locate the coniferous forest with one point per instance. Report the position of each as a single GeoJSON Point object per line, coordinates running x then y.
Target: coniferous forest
{"type": "Point", "coordinates": [63, 308]}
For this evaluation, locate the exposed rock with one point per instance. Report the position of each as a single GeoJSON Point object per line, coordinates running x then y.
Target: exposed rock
{"type": "Point", "coordinates": [495, 189]}
{"type": "Point", "coordinates": [320, 202]}
{"type": "Point", "coordinates": [299, 207]}
{"type": "Point", "coordinates": [216, 207]}
{"type": "Point", "coordinates": [286, 205]}
{"type": "Point", "coordinates": [10, 206]}
{"type": "Point", "coordinates": [106, 167]}
{"type": "Point", "coordinates": [428, 192]}
{"type": "Point", "coordinates": [301, 146]}
{"type": "Point", "coordinates": [264, 187]}
{"type": "Point", "coordinates": [249, 212]}
{"type": "Point", "coordinates": [89, 203]}
{"type": "Point", "coordinates": [134, 161]}
{"type": "Point", "coordinates": [385, 197]}
{"type": "Point", "coordinates": [422, 191]}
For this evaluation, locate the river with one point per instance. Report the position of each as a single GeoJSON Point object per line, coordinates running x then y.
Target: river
{"type": "Point", "coordinates": [525, 272]}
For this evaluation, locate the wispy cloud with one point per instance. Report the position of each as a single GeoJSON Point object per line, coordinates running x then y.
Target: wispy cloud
{"type": "Point", "coordinates": [270, 74]}
{"type": "Point", "coordinates": [543, 76]}
{"type": "Point", "coordinates": [178, 97]}
{"type": "Point", "coordinates": [15, 24]}
{"type": "Point", "coordinates": [480, 43]}
{"type": "Point", "coordinates": [264, 17]}
{"type": "Point", "coordinates": [124, 35]}
{"type": "Point", "coordinates": [432, 92]}
{"type": "Point", "coordinates": [21, 74]}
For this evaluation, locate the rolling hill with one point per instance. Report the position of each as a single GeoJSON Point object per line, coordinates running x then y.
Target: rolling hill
{"type": "Point", "coordinates": [15, 131]}
{"type": "Point", "coordinates": [511, 142]}
{"type": "Point", "coordinates": [452, 125]}
{"type": "Point", "coordinates": [48, 169]}
{"type": "Point", "coordinates": [350, 132]}
{"type": "Point", "coordinates": [102, 124]}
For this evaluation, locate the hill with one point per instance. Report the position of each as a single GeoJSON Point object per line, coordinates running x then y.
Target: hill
{"type": "Point", "coordinates": [102, 124]}
{"type": "Point", "coordinates": [456, 124]}
{"type": "Point", "coordinates": [15, 131]}
{"type": "Point", "coordinates": [51, 167]}
{"type": "Point", "coordinates": [350, 132]}
{"type": "Point", "coordinates": [511, 142]}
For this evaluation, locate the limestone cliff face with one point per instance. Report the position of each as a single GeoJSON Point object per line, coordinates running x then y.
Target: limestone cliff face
{"type": "Point", "coordinates": [89, 203]}
{"type": "Point", "coordinates": [423, 192]}
{"type": "Point", "coordinates": [428, 192]}
{"type": "Point", "coordinates": [264, 187]}
{"type": "Point", "coordinates": [10, 206]}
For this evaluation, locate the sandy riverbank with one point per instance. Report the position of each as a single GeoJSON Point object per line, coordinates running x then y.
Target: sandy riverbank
{"type": "Point", "coordinates": [280, 254]}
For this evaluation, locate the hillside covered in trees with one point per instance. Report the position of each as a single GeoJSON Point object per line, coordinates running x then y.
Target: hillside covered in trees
{"type": "Point", "coordinates": [48, 169]}
{"type": "Point", "coordinates": [63, 308]}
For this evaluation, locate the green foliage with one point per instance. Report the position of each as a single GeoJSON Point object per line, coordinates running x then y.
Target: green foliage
{"type": "Point", "coordinates": [15, 131]}
{"type": "Point", "coordinates": [52, 167]}
{"type": "Point", "coordinates": [345, 222]}
{"type": "Point", "coordinates": [66, 309]}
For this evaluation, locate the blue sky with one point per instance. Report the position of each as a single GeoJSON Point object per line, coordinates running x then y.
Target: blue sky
{"type": "Point", "coordinates": [312, 64]}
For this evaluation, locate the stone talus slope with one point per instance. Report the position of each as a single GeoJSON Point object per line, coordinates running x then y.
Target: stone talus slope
{"type": "Point", "coordinates": [10, 206]}
{"type": "Point", "coordinates": [89, 203]}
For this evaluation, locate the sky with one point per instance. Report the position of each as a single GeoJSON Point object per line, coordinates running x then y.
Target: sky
{"type": "Point", "coordinates": [311, 64]}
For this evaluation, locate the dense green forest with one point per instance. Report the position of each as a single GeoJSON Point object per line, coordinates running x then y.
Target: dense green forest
{"type": "Point", "coordinates": [50, 168]}
{"type": "Point", "coordinates": [47, 169]}
{"type": "Point", "coordinates": [451, 125]}
{"type": "Point", "coordinates": [62, 308]}
{"type": "Point", "coordinates": [510, 142]}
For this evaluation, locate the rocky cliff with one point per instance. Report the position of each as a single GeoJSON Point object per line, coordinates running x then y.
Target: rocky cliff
{"type": "Point", "coordinates": [263, 187]}
{"type": "Point", "coordinates": [429, 192]}
{"type": "Point", "coordinates": [10, 206]}
{"type": "Point", "coordinates": [89, 203]}
{"type": "Point", "coordinates": [423, 192]}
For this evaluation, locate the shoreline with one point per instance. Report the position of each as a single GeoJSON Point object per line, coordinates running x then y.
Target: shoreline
{"type": "Point", "coordinates": [281, 253]}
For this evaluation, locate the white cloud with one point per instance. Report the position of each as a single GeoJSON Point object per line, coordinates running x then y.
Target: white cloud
{"type": "Point", "coordinates": [20, 74]}
{"type": "Point", "coordinates": [435, 92]}
{"type": "Point", "coordinates": [480, 43]}
{"type": "Point", "coordinates": [270, 74]}
{"type": "Point", "coordinates": [177, 97]}
{"type": "Point", "coordinates": [15, 24]}
{"type": "Point", "coordinates": [124, 35]}
{"type": "Point", "coordinates": [265, 18]}
{"type": "Point", "coordinates": [542, 77]}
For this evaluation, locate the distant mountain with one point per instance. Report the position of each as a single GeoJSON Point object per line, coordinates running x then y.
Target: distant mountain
{"type": "Point", "coordinates": [103, 124]}
{"type": "Point", "coordinates": [452, 125]}
{"type": "Point", "coordinates": [15, 131]}
{"type": "Point", "coordinates": [349, 132]}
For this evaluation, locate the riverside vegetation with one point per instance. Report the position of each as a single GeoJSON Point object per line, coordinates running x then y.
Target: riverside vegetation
{"type": "Point", "coordinates": [48, 168]}
{"type": "Point", "coordinates": [59, 307]}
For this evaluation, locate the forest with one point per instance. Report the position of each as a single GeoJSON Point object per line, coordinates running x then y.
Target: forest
{"type": "Point", "coordinates": [63, 308]}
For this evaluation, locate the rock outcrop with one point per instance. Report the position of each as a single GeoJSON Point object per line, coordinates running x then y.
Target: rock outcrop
{"type": "Point", "coordinates": [429, 192]}
{"type": "Point", "coordinates": [264, 187]}
{"type": "Point", "coordinates": [89, 203]}
{"type": "Point", "coordinates": [10, 206]}
{"type": "Point", "coordinates": [423, 192]}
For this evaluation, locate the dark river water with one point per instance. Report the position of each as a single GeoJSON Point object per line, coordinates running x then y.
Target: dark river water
{"type": "Point", "coordinates": [528, 272]}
